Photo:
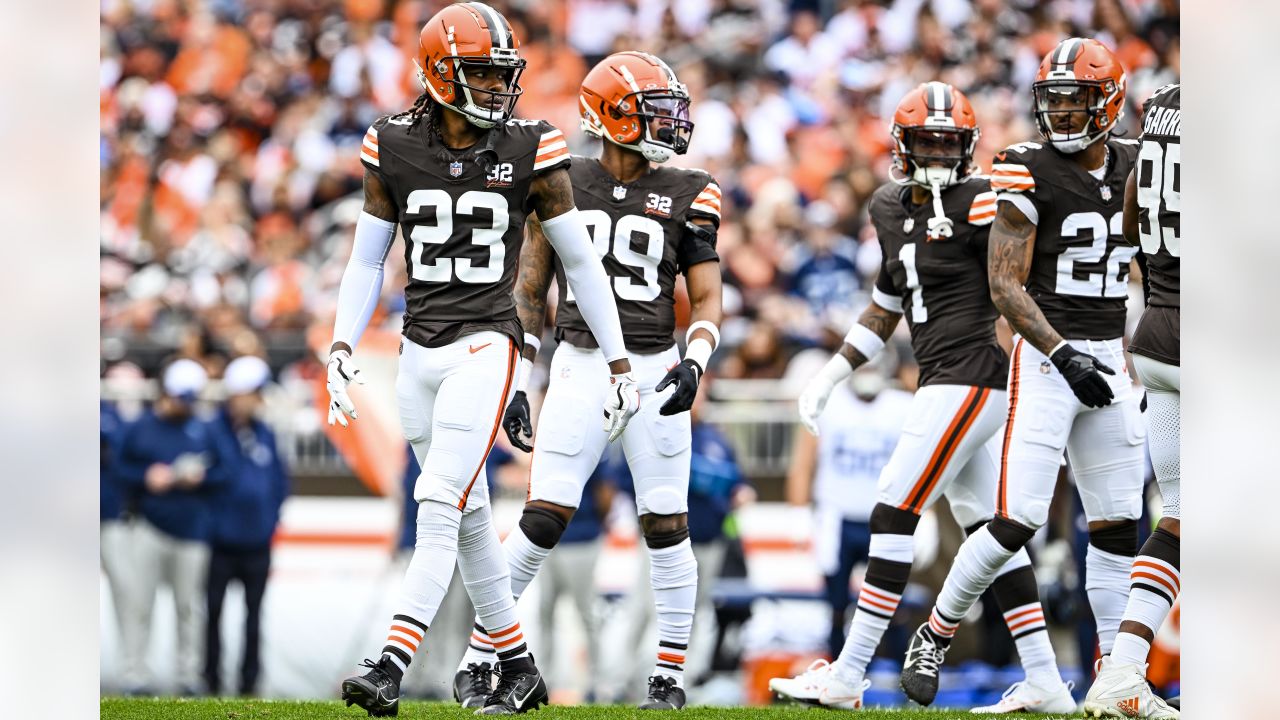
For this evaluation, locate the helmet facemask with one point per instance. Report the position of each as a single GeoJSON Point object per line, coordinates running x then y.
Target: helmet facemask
{"type": "Point", "coordinates": [1072, 114]}
{"type": "Point", "coordinates": [498, 105]}
{"type": "Point", "coordinates": [929, 156]}
{"type": "Point", "coordinates": [662, 117]}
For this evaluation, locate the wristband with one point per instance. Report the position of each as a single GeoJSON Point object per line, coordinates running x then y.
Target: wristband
{"type": "Point", "coordinates": [864, 340]}
{"type": "Point", "coordinates": [836, 370]}
{"type": "Point", "coordinates": [699, 351]}
{"type": "Point", "coordinates": [534, 341]}
{"type": "Point", "coordinates": [523, 373]}
{"type": "Point", "coordinates": [709, 327]}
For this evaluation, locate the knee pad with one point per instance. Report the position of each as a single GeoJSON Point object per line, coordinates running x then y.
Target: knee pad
{"type": "Point", "coordinates": [664, 531]}
{"type": "Point", "coordinates": [1011, 534]}
{"type": "Point", "coordinates": [542, 526]}
{"type": "Point", "coordinates": [1119, 539]}
{"type": "Point", "coordinates": [889, 520]}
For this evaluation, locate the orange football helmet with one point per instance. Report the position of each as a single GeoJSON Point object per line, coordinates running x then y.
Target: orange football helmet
{"type": "Point", "coordinates": [470, 36]}
{"type": "Point", "coordinates": [634, 100]}
{"type": "Point", "coordinates": [1079, 94]}
{"type": "Point", "coordinates": [934, 133]}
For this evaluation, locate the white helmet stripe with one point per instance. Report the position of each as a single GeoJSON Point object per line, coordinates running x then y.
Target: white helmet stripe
{"type": "Point", "coordinates": [631, 79]}
{"type": "Point", "coordinates": [939, 98]}
{"type": "Point", "coordinates": [1066, 51]}
{"type": "Point", "coordinates": [497, 30]}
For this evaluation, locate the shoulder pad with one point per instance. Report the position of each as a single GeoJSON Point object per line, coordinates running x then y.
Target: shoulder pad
{"type": "Point", "coordinates": [369, 146]}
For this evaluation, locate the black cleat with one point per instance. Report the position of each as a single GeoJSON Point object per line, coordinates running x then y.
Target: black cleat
{"type": "Point", "coordinates": [664, 694]}
{"type": "Point", "coordinates": [920, 669]}
{"type": "Point", "coordinates": [377, 691]}
{"type": "Point", "coordinates": [520, 689]}
{"type": "Point", "coordinates": [472, 686]}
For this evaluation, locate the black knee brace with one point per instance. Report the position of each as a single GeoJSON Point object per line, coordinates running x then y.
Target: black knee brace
{"type": "Point", "coordinates": [541, 526]}
{"type": "Point", "coordinates": [889, 520]}
{"type": "Point", "coordinates": [1011, 535]}
{"type": "Point", "coordinates": [1119, 539]}
{"type": "Point", "coordinates": [664, 531]}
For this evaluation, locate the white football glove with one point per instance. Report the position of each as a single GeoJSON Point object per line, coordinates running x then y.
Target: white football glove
{"type": "Point", "coordinates": [814, 398]}
{"type": "Point", "coordinates": [342, 372]}
{"type": "Point", "coordinates": [623, 402]}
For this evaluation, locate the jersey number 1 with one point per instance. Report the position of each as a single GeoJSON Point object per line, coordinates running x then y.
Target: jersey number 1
{"type": "Point", "coordinates": [919, 313]}
{"type": "Point", "coordinates": [443, 269]}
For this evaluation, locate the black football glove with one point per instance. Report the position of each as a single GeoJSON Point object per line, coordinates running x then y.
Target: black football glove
{"type": "Point", "coordinates": [1084, 374]}
{"type": "Point", "coordinates": [685, 376]}
{"type": "Point", "coordinates": [516, 421]}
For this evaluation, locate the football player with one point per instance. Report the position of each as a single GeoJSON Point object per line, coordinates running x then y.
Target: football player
{"type": "Point", "coordinates": [932, 222]}
{"type": "Point", "coordinates": [459, 176]}
{"type": "Point", "coordinates": [649, 223]}
{"type": "Point", "coordinates": [1153, 220]}
{"type": "Point", "coordinates": [1058, 268]}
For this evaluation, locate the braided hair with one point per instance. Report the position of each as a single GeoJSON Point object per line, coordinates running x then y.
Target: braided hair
{"type": "Point", "coordinates": [424, 106]}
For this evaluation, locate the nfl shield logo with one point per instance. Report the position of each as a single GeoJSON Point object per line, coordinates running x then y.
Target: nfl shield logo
{"type": "Point", "coordinates": [1106, 193]}
{"type": "Point", "coordinates": [455, 168]}
{"type": "Point", "coordinates": [619, 192]}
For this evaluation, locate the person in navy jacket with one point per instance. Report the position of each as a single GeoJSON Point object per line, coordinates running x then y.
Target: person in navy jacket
{"type": "Point", "coordinates": [169, 458]}
{"type": "Point", "coordinates": [245, 513]}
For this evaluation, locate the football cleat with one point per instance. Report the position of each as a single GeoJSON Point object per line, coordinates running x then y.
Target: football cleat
{"type": "Point", "coordinates": [473, 685]}
{"type": "Point", "coordinates": [520, 689]}
{"type": "Point", "coordinates": [377, 691]}
{"type": "Point", "coordinates": [819, 685]}
{"type": "Point", "coordinates": [1026, 696]}
{"type": "Point", "coordinates": [920, 669]}
{"type": "Point", "coordinates": [1121, 690]}
{"type": "Point", "coordinates": [664, 694]}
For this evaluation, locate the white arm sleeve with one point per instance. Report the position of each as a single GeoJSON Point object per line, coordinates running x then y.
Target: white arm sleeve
{"type": "Point", "coordinates": [584, 273]}
{"type": "Point", "coordinates": [1023, 203]}
{"type": "Point", "coordinates": [362, 280]}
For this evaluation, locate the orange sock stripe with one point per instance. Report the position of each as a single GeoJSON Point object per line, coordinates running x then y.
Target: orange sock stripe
{"type": "Point", "coordinates": [497, 422]}
{"type": "Point", "coordinates": [417, 636]}
{"type": "Point", "coordinates": [480, 640]}
{"type": "Point", "coordinates": [1014, 627]}
{"type": "Point", "coordinates": [413, 647]}
{"type": "Point", "coordinates": [1160, 570]}
{"type": "Point", "coordinates": [1002, 495]}
{"type": "Point", "coordinates": [674, 659]}
{"type": "Point", "coordinates": [513, 640]}
{"type": "Point", "coordinates": [503, 633]}
{"type": "Point", "coordinates": [878, 604]}
{"type": "Point", "coordinates": [1161, 581]}
{"type": "Point", "coordinates": [1023, 613]}
{"type": "Point", "coordinates": [883, 597]}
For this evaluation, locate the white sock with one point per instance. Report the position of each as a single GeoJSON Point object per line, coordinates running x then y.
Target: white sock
{"type": "Point", "coordinates": [1129, 649]}
{"type": "Point", "coordinates": [1018, 596]}
{"type": "Point", "coordinates": [980, 557]}
{"type": "Point", "coordinates": [1107, 584]}
{"type": "Point", "coordinates": [426, 580]}
{"type": "Point", "coordinates": [523, 560]}
{"type": "Point", "coordinates": [673, 572]}
{"type": "Point", "coordinates": [484, 571]}
{"type": "Point", "coordinates": [888, 570]}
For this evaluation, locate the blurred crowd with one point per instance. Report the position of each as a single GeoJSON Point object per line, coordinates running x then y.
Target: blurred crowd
{"type": "Point", "coordinates": [230, 132]}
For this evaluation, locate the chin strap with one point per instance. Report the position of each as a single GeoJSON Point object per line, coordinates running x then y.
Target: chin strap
{"type": "Point", "coordinates": [939, 224]}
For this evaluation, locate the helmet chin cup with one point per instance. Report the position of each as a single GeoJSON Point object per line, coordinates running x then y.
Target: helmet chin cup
{"type": "Point", "coordinates": [928, 176]}
{"type": "Point", "coordinates": [655, 153]}
{"type": "Point", "coordinates": [1071, 143]}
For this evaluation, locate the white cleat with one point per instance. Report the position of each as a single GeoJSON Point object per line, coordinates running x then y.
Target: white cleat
{"type": "Point", "coordinates": [819, 685]}
{"type": "Point", "coordinates": [1027, 697]}
{"type": "Point", "coordinates": [1122, 691]}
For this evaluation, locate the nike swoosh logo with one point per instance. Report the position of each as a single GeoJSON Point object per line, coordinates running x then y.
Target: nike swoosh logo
{"type": "Point", "coordinates": [475, 349]}
{"type": "Point", "coordinates": [527, 695]}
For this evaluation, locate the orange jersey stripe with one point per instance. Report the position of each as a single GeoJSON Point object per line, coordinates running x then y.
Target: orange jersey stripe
{"type": "Point", "coordinates": [711, 190]}
{"type": "Point", "coordinates": [1002, 496]}
{"type": "Point", "coordinates": [497, 423]}
{"type": "Point", "coordinates": [545, 155]}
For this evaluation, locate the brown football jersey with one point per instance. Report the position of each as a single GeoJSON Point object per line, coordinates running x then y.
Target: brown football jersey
{"type": "Point", "coordinates": [639, 232]}
{"type": "Point", "coordinates": [462, 214]}
{"type": "Point", "coordinates": [1080, 268]}
{"type": "Point", "coordinates": [940, 286]}
{"type": "Point", "coordinates": [1158, 176]}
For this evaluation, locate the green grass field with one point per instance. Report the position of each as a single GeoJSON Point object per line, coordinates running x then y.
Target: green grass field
{"type": "Point", "coordinates": [176, 709]}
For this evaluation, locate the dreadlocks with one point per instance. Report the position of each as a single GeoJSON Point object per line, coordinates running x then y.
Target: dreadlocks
{"type": "Point", "coordinates": [424, 106]}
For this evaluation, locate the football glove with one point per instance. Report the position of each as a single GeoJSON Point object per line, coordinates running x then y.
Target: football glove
{"type": "Point", "coordinates": [515, 421]}
{"type": "Point", "coordinates": [685, 376]}
{"type": "Point", "coordinates": [814, 398]}
{"type": "Point", "coordinates": [342, 371]}
{"type": "Point", "coordinates": [1084, 374]}
{"type": "Point", "coordinates": [622, 402]}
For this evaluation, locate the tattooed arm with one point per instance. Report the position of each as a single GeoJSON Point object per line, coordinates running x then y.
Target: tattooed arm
{"type": "Point", "coordinates": [878, 320]}
{"type": "Point", "coordinates": [533, 282]}
{"type": "Point", "coordinates": [552, 196]}
{"type": "Point", "coordinates": [1010, 249]}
